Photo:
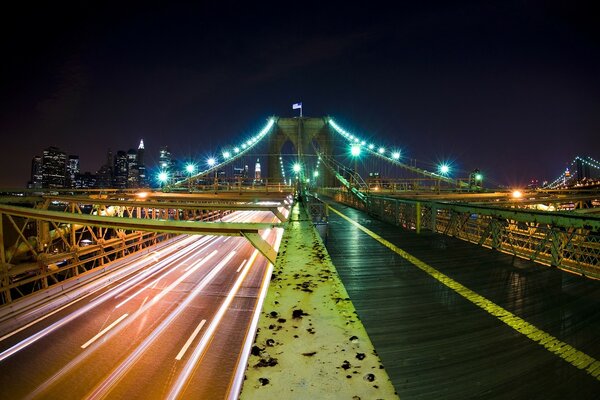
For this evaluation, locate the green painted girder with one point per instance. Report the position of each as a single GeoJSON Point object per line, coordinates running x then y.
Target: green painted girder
{"type": "Point", "coordinates": [168, 226]}
{"type": "Point", "coordinates": [174, 205]}
{"type": "Point", "coordinates": [560, 219]}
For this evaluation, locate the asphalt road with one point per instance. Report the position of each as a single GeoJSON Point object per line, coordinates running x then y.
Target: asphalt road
{"type": "Point", "coordinates": [175, 329]}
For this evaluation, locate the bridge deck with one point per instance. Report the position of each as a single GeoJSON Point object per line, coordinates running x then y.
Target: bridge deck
{"type": "Point", "coordinates": [436, 343]}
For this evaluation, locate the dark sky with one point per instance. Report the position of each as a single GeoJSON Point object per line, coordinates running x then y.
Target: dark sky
{"type": "Point", "coordinates": [510, 87]}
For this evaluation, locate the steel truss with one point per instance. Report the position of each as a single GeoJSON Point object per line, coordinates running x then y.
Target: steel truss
{"type": "Point", "coordinates": [569, 241]}
{"type": "Point", "coordinates": [66, 237]}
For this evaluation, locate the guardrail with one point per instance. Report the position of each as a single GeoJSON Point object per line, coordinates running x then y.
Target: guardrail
{"type": "Point", "coordinates": [564, 240]}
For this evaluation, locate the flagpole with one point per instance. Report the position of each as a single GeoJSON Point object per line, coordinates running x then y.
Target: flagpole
{"type": "Point", "coordinates": [300, 111]}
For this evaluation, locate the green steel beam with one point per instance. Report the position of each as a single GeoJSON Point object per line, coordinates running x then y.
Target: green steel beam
{"type": "Point", "coordinates": [168, 226]}
{"type": "Point", "coordinates": [173, 205]}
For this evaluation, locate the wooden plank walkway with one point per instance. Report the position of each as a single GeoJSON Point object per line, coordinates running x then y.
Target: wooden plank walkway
{"type": "Point", "coordinates": [435, 344]}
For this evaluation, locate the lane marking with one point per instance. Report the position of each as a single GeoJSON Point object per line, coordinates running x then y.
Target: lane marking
{"type": "Point", "coordinates": [103, 331]}
{"type": "Point", "coordinates": [190, 340]}
{"type": "Point", "coordinates": [565, 351]}
{"type": "Point", "coordinates": [241, 265]}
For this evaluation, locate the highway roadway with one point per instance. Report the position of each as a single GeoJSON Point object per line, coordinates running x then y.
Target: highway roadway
{"type": "Point", "coordinates": [179, 327]}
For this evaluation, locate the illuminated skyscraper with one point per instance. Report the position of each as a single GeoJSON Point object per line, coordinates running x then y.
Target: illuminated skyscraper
{"type": "Point", "coordinates": [36, 173]}
{"type": "Point", "coordinates": [54, 168]}
{"type": "Point", "coordinates": [72, 171]}
{"type": "Point", "coordinates": [143, 181]}
{"type": "Point", "coordinates": [120, 170]}
{"type": "Point", "coordinates": [257, 170]}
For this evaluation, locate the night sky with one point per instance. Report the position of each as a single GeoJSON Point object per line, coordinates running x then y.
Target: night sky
{"type": "Point", "coordinates": [510, 87]}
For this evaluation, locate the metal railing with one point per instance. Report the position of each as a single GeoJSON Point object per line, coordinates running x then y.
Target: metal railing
{"type": "Point", "coordinates": [565, 240]}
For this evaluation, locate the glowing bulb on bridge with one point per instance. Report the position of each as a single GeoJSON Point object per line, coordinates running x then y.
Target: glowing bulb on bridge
{"type": "Point", "coordinates": [236, 150]}
{"type": "Point", "coordinates": [444, 169]}
{"type": "Point", "coordinates": [226, 154]}
{"type": "Point", "coordinates": [381, 150]}
{"type": "Point", "coordinates": [396, 155]}
{"type": "Point", "coordinates": [297, 168]}
{"type": "Point", "coordinates": [355, 150]}
{"type": "Point", "coordinates": [163, 176]}
{"type": "Point", "coordinates": [478, 177]}
{"type": "Point", "coordinates": [517, 194]}
{"type": "Point", "coordinates": [190, 168]}
{"type": "Point", "coordinates": [211, 162]}
{"type": "Point", "coordinates": [371, 146]}
{"type": "Point", "coordinates": [316, 173]}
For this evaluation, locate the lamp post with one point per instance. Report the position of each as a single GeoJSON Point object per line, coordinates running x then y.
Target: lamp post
{"type": "Point", "coordinates": [355, 151]}
{"type": "Point", "coordinates": [443, 169]}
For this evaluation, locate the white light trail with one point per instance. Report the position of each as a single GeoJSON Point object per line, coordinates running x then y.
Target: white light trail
{"type": "Point", "coordinates": [105, 386]}
{"type": "Point", "coordinates": [205, 340]}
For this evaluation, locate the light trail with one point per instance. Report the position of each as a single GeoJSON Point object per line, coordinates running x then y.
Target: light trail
{"type": "Point", "coordinates": [63, 321]}
{"type": "Point", "coordinates": [199, 350]}
{"type": "Point", "coordinates": [102, 390]}
{"type": "Point", "coordinates": [240, 369]}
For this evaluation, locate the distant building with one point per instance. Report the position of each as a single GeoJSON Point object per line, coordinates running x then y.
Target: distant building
{"type": "Point", "coordinates": [164, 159]}
{"type": "Point", "coordinates": [54, 168]}
{"type": "Point", "coordinates": [257, 170]}
{"type": "Point", "coordinates": [36, 173]}
{"type": "Point", "coordinates": [120, 170]}
{"type": "Point", "coordinates": [72, 171]}
{"type": "Point", "coordinates": [104, 177]}
{"type": "Point", "coordinates": [86, 180]}
{"type": "Point", "coordinates": [133, 174]}
{"type": "Point", "coordinates": [141, 166]}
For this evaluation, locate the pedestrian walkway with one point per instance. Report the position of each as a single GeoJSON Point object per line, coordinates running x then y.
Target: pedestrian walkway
{"type": "Point", "coordinates": [452, 320]}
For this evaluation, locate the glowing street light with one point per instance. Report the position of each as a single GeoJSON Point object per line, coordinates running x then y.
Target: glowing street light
{"type": "Point", "coordinates": [163, 177]}
{"type": "Point", "coordinates": [444, 169]}
{"type": "Point", "coordinates": [211, 162]}
{"type": "Point", "coordinates": [297, 167]}
{"type": "Point", "coordinates": [517, 194]}
{"type": "Point", "coordinates": [226, 154]}
{"type": "Point", "coordinates": [355, 150]}
{"type": "Point", "coordinates": [396, 155]}
{"type": "Point", "coordinates": [190, 168]}
{"type": "Point", "coordinates": [381, 150]}
{"type": "Point", "coordinates": [316, 173]}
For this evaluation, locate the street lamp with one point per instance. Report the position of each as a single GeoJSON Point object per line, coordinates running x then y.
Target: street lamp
{"type": "Point", "coordinates": [444, 169]}
{"type": "Point", "coordinates": [355, 151]}
{"type": "Point", "coordinates": [163, 177]}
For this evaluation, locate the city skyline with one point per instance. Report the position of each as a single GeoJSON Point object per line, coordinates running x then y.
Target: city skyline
{"type": "Point", "coordinates": [511, 89]}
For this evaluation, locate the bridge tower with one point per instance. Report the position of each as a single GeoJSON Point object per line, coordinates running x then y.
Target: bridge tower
{"type": "Point", "coordinates": [302, 132]}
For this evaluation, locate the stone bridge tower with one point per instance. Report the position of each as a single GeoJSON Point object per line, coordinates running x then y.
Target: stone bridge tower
{"type": "Point", "coordinates": [302, 132]}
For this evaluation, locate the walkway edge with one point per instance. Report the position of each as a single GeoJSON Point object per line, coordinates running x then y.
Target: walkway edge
{"type": "Point", "coordinates": [310, 342]}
